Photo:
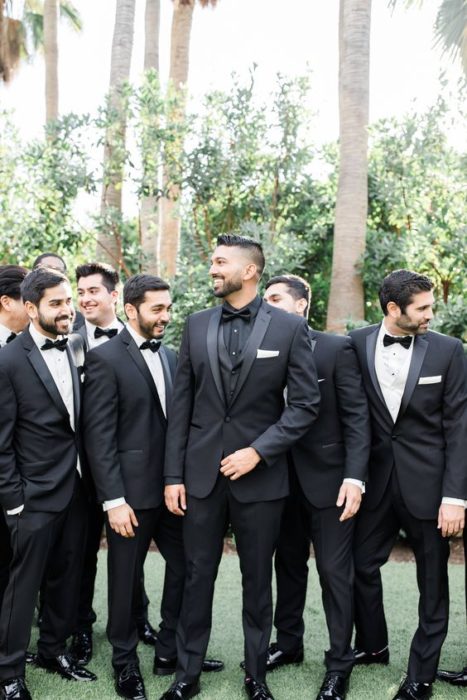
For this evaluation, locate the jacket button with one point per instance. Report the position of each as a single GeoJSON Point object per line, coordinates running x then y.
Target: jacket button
{"type": "Point", "coordinates": [227, 419]}
{"type": "Point", "coordinates": [394, 437]}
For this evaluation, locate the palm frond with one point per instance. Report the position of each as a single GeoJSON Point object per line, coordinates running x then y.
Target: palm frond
{"type": "Point", "coordinates": [70, 13]}
{"type": "Point", "coordinates": [451, 29]}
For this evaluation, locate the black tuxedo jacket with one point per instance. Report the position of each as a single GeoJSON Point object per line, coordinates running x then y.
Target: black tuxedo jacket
{"type": "Point", "coordinates": [427, 444]}
{"type": "Point", "coordinates": [337, 446]}
{"type": "Point", "coordinates": [204, 427]}
{"type": "Point", "coordinates": [123, 421]}
{"type": "Point", "coordinates": [38, 446]}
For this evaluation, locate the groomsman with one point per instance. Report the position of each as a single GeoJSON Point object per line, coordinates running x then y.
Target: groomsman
{"type": "Point", "coordinates": [13, 319]}
{"type": "Point", "coordinates": [327, 469]}
{"type": "Point", "coordinates": [415, 384]}
{"type": "Point", "coordinates": [128, 386]}
{"type": "Point", "coordinates": [97, 285]}
{"type": "Point", "coordinates": [41, 488]}
{"type": "Point", "coordinates": [229, 431]}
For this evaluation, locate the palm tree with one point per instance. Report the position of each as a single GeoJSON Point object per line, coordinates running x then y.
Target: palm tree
{"type": "Point", "coordinates": [346, 299]}
{"type": "Point", "coordinates": [51, 59]}
{"type": "Point", "coordinates": [109, 243]}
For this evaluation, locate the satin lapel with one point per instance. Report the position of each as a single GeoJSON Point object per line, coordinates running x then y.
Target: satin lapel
{"type": "Point", "coordinates": [370, 360]}
{"type": "Point", "coordinates": [167, 375]}
{"type": "Point", "coordinates": [41, 369]}
{"type": "Point", "coordinates": [138, 359]}
{"type": "Point", "coordinates": [263, 319]}
{"type": "Point", "coordinates": [418, 355]}
{"type": "Point", "coordinates": [313, 340]}
{"type": "Point", "coordinates": [82, 331]}
{"type": "Point", "coordinates": [211, 342]}
{"type": "Point", "coordinates": [76, 387]}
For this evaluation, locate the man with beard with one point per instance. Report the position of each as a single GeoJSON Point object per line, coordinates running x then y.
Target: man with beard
{"type": "Point", "coordinates": [13, 319]}
{"type": "Point", "coordinates": [229, 431]}
{"type": "Point", "coordinates": [415, 384]}
{"type": "Point", "coordinates": [128, 385]}
{"type": "Point", "coordinates": [97, 298]}
{"type": "Point", "coordinates": [41, 488]}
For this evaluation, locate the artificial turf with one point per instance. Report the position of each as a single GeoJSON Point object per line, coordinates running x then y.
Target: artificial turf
{"type": "Point", "coordinates": [289, 683]}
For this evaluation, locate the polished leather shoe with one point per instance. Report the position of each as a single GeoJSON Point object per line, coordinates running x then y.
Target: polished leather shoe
{"type": "Point", "coordinates": [181, 691]}
{"type": "Point", "coordinates": [411, 690]}
{"type": "Point", "coordinates": [458, 678]}
{"type": "Point", "coordinates": [31, 657]}
{"type": "Point", "coordinates": [129, 683]}
{"type": "Point", "coordinates": [165, 667]}
{"type": "Point", "coordinates": [256, 690]}
{"type": "Point", "coordinates": [14, 689]}
{"type": "Point", "coordinates": [81, 647]}
{"type": "Point", "coordinates": [334, 687]}
{"type": "Point", "coordinates": [365, 658]}
{"type": "Point", "coordinates": [146, 633]}
{"type": "Point", "coordinates": [276, 657]}
{"type": "Point", "coordinates": [66, 667]}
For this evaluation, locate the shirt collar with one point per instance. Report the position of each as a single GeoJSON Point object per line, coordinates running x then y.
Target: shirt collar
{"type": "Point", "coordinates": [139, 340]}
{"type": "Point", "coordinates": [253, 306]}
{"type": "Point", "coordinates": [4, 334]}
{"type": "Point", "coordinates": [384, 331]}
{"type": "Point", "coordinates": [91, 327]}
{"type": "Point", "coordinates": [38, 337]}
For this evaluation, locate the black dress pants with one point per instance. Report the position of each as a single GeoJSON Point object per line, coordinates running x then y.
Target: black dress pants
{"type": "Point", "coordinates": [256, 529]}
{"type": "Point", "coordinates": [375, 534]}
{"type": "Point", "coordinates": [49, 546]}
{"type": "Point", "coordinates": [5, 555]}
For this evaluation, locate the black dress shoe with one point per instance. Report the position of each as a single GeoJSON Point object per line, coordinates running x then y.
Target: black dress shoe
{"type": "Point", "coordinates": [14, 689]}
{"type": "Point", "coordinates": [166, 667]}
{"type": "Point", "coordinates": [276, 657]}
{"type": "Point", "coordinates": [129, 683]}
{"type": "Point", "coordinates": [81, 647]}
{"type": "Point", "coordinates": [66, 667]}
{"type": "Point", "coordinates": [458, 678]}
{"type": "Point", "coordinates": [334, 687]}
{"type": "Point", "coordinates": [365, 658]}
{"type": "Point", "coordinates": [256, 690]}
{"type": "Point", "coordinates": [31, 658]}
{"type": "Point", "coordinates": [146, 633]}
{"type": "Point", "coordinates": [411, 690]}
{"type": "Point", "coordinates": [181, 691]}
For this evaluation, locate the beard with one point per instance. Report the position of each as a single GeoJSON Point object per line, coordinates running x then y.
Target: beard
{"type": "Point", "coordinates": [50, 325]}
{"type": "Point", "coordinates": [148, 329]}
{"type": "Point", "coordinates": [411, 327]}
{"type": "Point", "coordinates": [229, 287]}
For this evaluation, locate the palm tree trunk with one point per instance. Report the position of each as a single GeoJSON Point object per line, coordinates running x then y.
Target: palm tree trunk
{"type": "Point", "coordinates": [109, 243]}
{"type": "Point", "coordinates": [346, 299]}
{"type": "Point", "coordinates": [51, 59]}
{"type": "Point", "coordinates": [149, 213]}
{"type": "Point", "coordinates": [178, 75]}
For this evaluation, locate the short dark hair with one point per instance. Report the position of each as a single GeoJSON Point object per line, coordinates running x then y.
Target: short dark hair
{"type": "Point", "coordinates": [136, 287]}
{"type": "Point", "coordinates": [42, 256]}
{"type": "Point", "coordinates": [38, 280]}
{"type": "Point", "coordinates": [400, 286]}
{"type": "Point", "coordinates": [11, 277]}
{"type": "Point", "coordinates": [110, 276]}
{"type": "Point", "coordinates": [297, 287]}
{"type": "Point", "coordinates": [254, 248]}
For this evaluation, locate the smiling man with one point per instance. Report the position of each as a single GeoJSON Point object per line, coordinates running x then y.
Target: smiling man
{"type": "Point", "coordinates": [415, 384]}
{"type": "Point", "coordinates": [41, 487]}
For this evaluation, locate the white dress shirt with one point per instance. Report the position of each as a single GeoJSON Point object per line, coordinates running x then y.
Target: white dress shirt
{"type": "Point", "coordinates": [4, 334]}
{"type": "Point", "coordinates": [91, 327]}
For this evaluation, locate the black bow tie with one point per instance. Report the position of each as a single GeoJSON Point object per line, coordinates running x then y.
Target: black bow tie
{"type": "Point", "coordinates": [57, 344]}
{"type": "Point", "coordinates": [11, 337]}
{"type": "Point", "coordinates": [109, 333]}
{"type": "Point", "coordinates": [228, 315]}
{"type": "Point", "coordinates": [404, 340]}
{"type": "Point", "coordinates": [152, 345]}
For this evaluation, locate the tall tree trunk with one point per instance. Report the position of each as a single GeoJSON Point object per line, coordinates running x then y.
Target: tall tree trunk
{"type": "Point", "coordinates": [346, 299]}
{"type": "Point", "coordinates": [109, 244]}
{"type": "Point", "coordinates": [178, 75]}
{"type": "Point", "coordinates": [51, 59]}
{"type": "Point", "coordinates": [149, 214]}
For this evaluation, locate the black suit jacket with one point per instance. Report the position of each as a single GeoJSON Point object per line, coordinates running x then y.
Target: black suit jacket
{"type": "Point", "coordinates": [427, 444]}
{"type": "Point", "coordinates": [38, 446]}
{"type": "Point", "coordinates": [203, 427]}
{"type": "Point", "coordinates": [123, 421]}
{"type": "Point", "coordinates": [337, 446]}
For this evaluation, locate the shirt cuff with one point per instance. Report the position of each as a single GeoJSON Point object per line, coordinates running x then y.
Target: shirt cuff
{"type": "Point", "coordinates": [114, 503]}
{"type": "Point", "coordinates": [15, 511]}
{"type": "Point", "coordinates": [448, 501]}
{"type": "Point", "coordinates": [356, 482]}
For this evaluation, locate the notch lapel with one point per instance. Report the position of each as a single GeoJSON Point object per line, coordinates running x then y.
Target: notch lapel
{"type": "Point", "coordinates": [211, 342]}
{"type": "Point", "coordinates": [263, 319]}
{"type": "Point", "coordinates": [418, 355]}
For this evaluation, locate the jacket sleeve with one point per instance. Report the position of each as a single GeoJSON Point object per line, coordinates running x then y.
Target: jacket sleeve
{"type": "Point", "coordinates": [455, 426]}
{"type": "Point", "coordinates": [11, 488]}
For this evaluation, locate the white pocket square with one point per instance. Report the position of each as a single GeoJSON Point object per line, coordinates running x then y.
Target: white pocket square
{"type": "Point", "coordinates": [322, 380]}
{"type": "Point", "coordinates": [430, 380]}
{"type": "Point", "coordinates": [261, 354]}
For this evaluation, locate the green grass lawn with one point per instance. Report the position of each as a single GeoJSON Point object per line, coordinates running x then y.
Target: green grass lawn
{"type": "Point", "coordinates": [298, 682]}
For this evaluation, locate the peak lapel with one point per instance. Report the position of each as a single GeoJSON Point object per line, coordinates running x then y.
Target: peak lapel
{"type": "Point", "coordinates": [211, 341]}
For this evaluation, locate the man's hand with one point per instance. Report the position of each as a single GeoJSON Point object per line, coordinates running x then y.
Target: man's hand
{"type": "Point", "coordinates": [122, 519]}
{"type": "Point", "coordinates": [351, 495]}
{"type": "Point", "coordinates": [175, 498]}
{"type": "Point", "coordinates": [450, 519]}
{"type": "Point", "coordinates": [240, 463]}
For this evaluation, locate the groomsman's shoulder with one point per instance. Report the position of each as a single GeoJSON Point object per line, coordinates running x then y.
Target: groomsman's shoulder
{"type": "Point", "coordinates": [330, 340]}
{"type": "Point", "coordinates": [362, 332]}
